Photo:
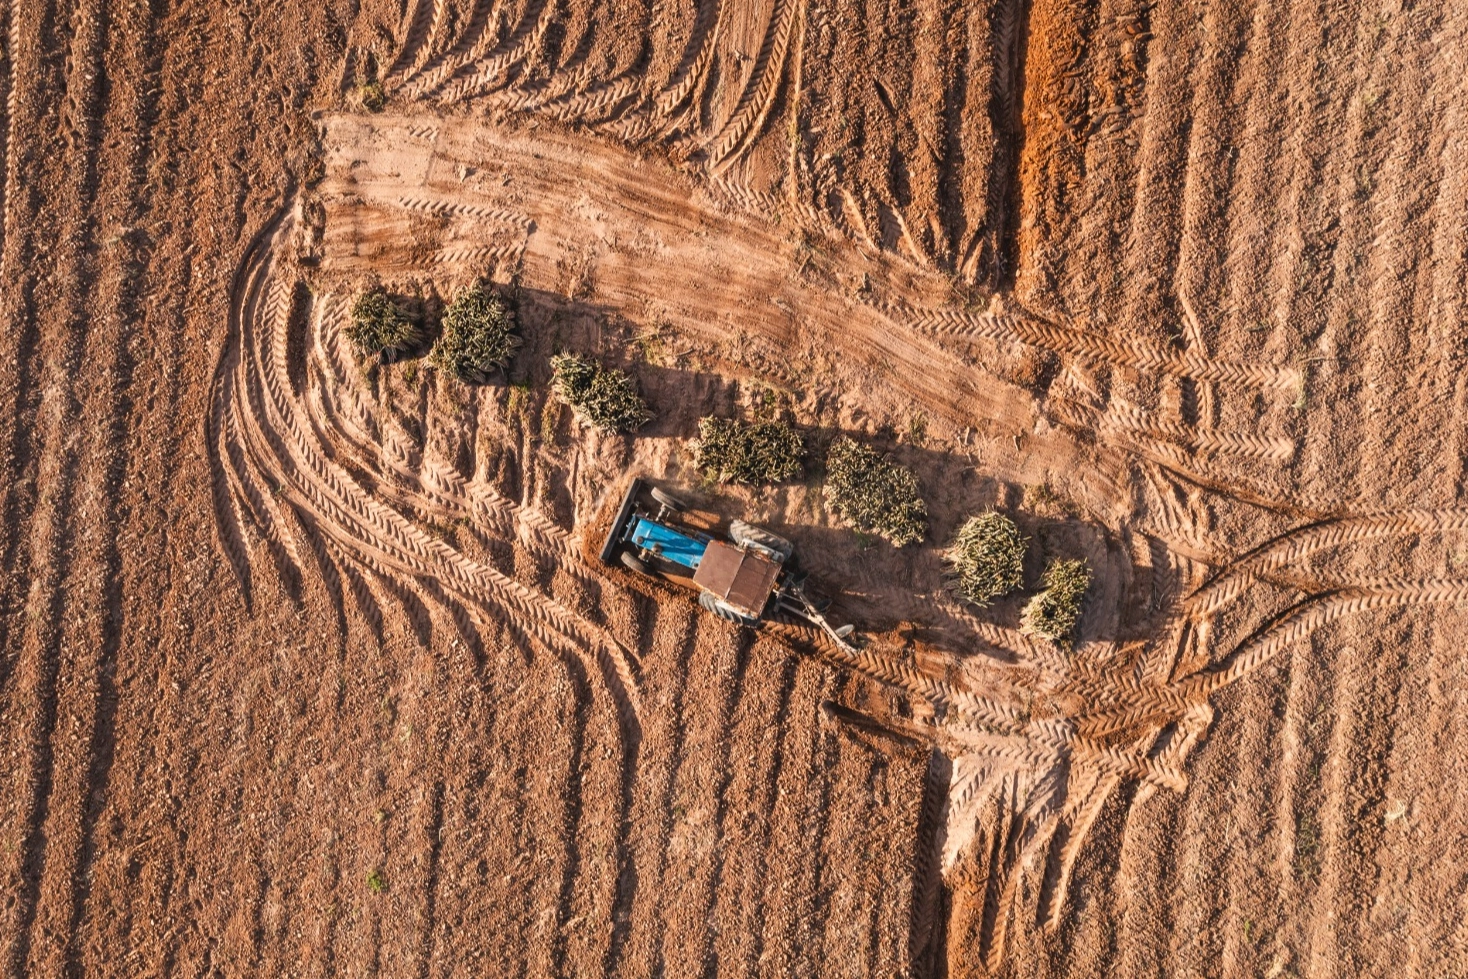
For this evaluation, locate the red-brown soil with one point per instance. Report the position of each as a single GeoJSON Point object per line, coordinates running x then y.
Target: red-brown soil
{"type": "Point", "coordinates": [304, 668]}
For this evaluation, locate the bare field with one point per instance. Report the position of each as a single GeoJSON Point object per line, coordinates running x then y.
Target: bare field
{"type": "Point", "coordinates": [307, 669]}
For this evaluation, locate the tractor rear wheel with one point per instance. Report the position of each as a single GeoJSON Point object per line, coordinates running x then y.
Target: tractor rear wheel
{"type": "Point", "coordinates": [777, 548]}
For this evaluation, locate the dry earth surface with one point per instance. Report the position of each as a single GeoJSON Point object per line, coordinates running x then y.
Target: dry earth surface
{"type": "Point", "coordinates": [304, 668]}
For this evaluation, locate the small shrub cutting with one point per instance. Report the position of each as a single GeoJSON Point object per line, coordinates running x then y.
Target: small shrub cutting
{"type": "Point", "coordinates": [478, 335]}
{"type": "Point", "coordinates": [760, 453]}
{"type": "Point", "coordinates": [875, 494]}
{"type": "Point", "coordinates": [601, 396]}
{"type": "Point", "coordinates": [380, 328]}
{"type": "Point", "coordinates": [373, 96]}
{"type": "Point", "coordinates": [1053, 613]}
{"type": "Point", "coordinates": [986, 558]}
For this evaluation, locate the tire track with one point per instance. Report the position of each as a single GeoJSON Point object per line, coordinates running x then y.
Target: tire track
{"type": "Point", "coordinates": [572, 829]}
{"type": "Point", "coordinates": [691, 949]}
{"type": "Point", "coordinates": [9, 31]}
{"type": "Point", "coordinates": [494, 66]}
{"type": "Point", "coordinates": [577, 34]}
{"type": "Point", "coordinates": [647, 788]}
{"type": "Point", "coordinates": [699, 54]}
{"type": "Point", "coordinates": [748, 119]}
{"type": "Point", "coordinates": [1094, 347]}
{"type": "Point", "coordinates": [808, 906]}
{"type": "Point", "coordinates": [513, 699]}
{"type": "Point", "coordinates": [789, 842]}
{"type": "Point", "coordinates": [1086, 795]}
{"type": "Point", "coordinates": [425, 20]}
{"type": "Point", "coordinates": [358, 522]}
{"type": "Point", "coordinates": [925, 950]}
{"type": "Point", "coordinates": [849, 924]}
{"type": "Point", "coordinates": [588, 104]}
{"type": "Point", "coordinates": [131, 104]}
{"type": "Point", "coordinates": [765, 705]}
{"type": "Point", "coordinates": [475, 39]}
{"type": "Point", "coordinates": [672, 638]}
{"type": "Point", "coordinates": [1127, 418]}
{"type": "Point", "coordinates": [433, 843]}
{"type": "Point", "coordinates": [172, 558]}
{"type": "Point", "coordinates": [1261, 724]}
{"type": "Point", "coordinates": [1290, 548]}
{"type": "Point", "coordinates": [48, 666]}
{"type": "Point", "coordinates": [1161, 705]}
{"type": "Point", "coordinates": [24, 181]}
{"type": "Point", "coordinates": [1313, 613]}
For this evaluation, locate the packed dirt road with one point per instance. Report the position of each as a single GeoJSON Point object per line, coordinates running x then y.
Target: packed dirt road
{"type": "Point", "coordinates": [306, 670]}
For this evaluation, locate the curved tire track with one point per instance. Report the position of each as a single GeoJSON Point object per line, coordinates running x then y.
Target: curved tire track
{"type": "Point", "coordinates": [254, 401]}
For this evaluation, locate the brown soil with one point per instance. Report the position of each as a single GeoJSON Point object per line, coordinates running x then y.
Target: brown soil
{"type": "Point", "coordinates": [306, 669]}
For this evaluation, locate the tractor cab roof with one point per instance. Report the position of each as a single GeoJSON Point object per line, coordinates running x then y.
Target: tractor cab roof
{"type": "Point", "coordinates": [743, 579]}
{"type": "Point", "coordinates": [680, 547]}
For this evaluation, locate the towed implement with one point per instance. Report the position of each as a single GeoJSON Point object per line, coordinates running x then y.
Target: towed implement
{"type": "Point", "coordinates": [747, 576]}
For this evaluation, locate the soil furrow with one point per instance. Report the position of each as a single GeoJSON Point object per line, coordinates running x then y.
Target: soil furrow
{"type": "Point", "coordinates": [764, 706]}
{"type": "Point", "coordinates": [51, 670]}
{"type": "Point", "coordinates": [672, 636]}
{"type": "Point", "coordinates": [131, 105]}
{"type": "Point", "coordinates": [34, 92]}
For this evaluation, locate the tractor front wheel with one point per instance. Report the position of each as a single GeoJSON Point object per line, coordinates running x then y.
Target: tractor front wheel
{"type": "Point", "coordinates": [634, 563]}
{"type": "Point", "coordinates": [668, 500]}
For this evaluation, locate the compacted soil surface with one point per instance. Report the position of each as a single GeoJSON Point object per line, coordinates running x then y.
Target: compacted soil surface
{"type": "Point", "coordinates": [307, 662]}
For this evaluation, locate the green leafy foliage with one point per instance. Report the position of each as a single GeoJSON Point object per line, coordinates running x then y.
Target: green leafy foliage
{"type": "Point", "coordinates": [1053, 613]}
{"type": "Point", "coordinates": [602, 396]}
{"type": "Point", "coordinates": [478, 334]}
{"type": "Point", "coordinates": [375, 882]}
{"type": "Point", "coordinates": [986, 558]}
{"type": "Point", "coordinates": [373, 95]}
{"type": "Point", "coordinates": [758, 453]}
{"type": "Point", "coordinates": [380, 328]}
{"type": "Point", "coordinates": [875, 494]}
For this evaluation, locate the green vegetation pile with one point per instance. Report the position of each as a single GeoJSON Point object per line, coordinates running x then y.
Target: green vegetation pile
{"type": "Point", "coordinates": [758, 453]}
{"type": "Point", "coordinates": [599, 395]}
{"type": "Point", "coordinates": [478, 335]}
{"type": "Point", "coordinates": [986, 558]}
{"type": "Point", "coordinates": [380, 327]}
{"type": "Point", "coordinates": [874, 493]}
{"type": "Point", "coordinates": [374, 97]}
{"type": "Point", "coordinates": [1053, 613]}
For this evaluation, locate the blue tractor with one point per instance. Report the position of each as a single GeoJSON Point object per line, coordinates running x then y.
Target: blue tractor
{"type": "Point", "coordinates": [749, 577]}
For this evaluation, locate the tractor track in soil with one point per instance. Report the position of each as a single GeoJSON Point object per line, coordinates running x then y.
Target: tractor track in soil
{"type": "Point", "coordinates": [54, 681]}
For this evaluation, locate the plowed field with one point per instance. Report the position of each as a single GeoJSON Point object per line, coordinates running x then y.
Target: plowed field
{"type": "Point", "coordinates": [307, 666]}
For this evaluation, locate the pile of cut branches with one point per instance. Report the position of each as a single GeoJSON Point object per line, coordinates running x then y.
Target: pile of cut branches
{"type": "Point", "coordinates": [874, 493]}
{"type": "Point", "coordinates": [478, 334]}
{"type": "Point", "coordinates": [759, 453]}
{"type": "Point", "coordinates": [601, 396]}
{"type": "Point", "coordinates": [986, 558]}
{"type": "Point", "coordinates": [1053, 613]}
{"type": "Point", "coordinates": [380, 328]}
